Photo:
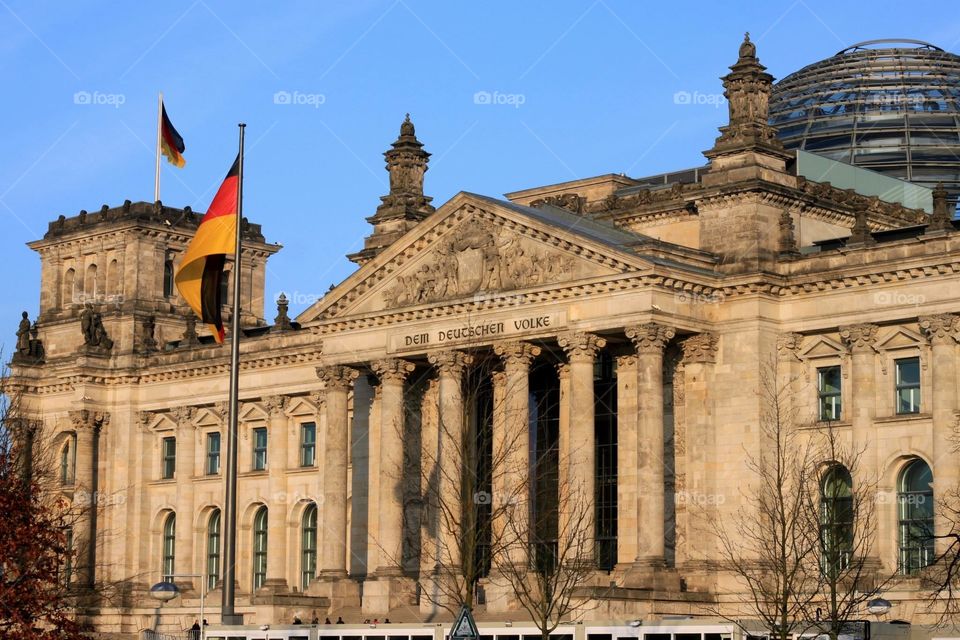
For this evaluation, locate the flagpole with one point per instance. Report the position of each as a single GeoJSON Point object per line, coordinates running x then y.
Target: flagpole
{"type": "Point", "coordinates": [227, 614]}
{"type": "Point", "coordinates": [156, 175]}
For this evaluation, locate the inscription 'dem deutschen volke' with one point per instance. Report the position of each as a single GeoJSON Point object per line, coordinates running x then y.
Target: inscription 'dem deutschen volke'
{"type": "Point", "coordinates": [476, 332]}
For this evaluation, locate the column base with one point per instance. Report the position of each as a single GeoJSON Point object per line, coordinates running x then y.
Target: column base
{"type": "Point", "coordinates": [384, 593]}
{"type": "Point", "coordinates": [650, 573]}
{"type": "Point", "coordinates": [274, 585]}
{"type": "Point", "coordinates": [341, 591]}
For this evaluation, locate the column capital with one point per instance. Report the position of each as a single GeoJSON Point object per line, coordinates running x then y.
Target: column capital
{"type": "Point", "coordinates": [940, 328]}
{"type": "Point", "coordinates": [337, 377]}
{"type": "Point", "coordinates": [88, 419]}
{"type": "Point", "coordinates": [650, 337]}
{"type": "Point", "coordinates": [581, 346]}
{"type": "Point", "coordinates": [392, 369]}
{"type": "Point", "coordinates": [183, 415]}
{"type": "Point", "coordinates": [451, 362]}
{"type": "Point", "coordinates": [516, 352]}
{"type": "Point", "coordinates": [275, 404]}
{"type": "Point", "coordinates": [318, 397]}
{"type": "Point", "coordinates": [701, 347]}
{"type": "Point", "coordinates": [626, 361]}
{"type": "Point", "coordinates": [859, 337]}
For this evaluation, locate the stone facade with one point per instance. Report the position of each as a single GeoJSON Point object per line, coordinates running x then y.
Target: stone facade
{"type": "Point", "coordinates": [690, 290]}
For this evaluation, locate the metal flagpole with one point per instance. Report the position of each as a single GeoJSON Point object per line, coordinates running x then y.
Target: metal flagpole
{"type": "Point", "coordinates": [227, 614]}
{"type": "Point", "coordinates": [156, 175]}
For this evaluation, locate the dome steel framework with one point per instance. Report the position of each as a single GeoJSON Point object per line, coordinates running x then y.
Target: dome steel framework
{"type": "Point", "coordinates": [892, 106]}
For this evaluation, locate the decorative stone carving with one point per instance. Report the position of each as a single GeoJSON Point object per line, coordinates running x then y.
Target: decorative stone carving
{"type": "Point", "coordinates": [29, 348]}
{"type": "Point", "coordinates": [145, 418]}
{"type": "Point", "coordinates": [450, 362]}
{"type": "Point", "coordinates": [148, 341]}
{"type": "Point", "coordinates": [940, 328]}
{"type": "Point", "coordinates": [318, 398]}
{"type": "Point", "coordinates": [88, 419]}
{"type": "Point", "coordinates": [516, 352]}
{"type": "Point", "coordinates": [478, 257]}
{"type": "Point", "coordinates": [580, 346]}
{"type": "Point", "coordinates": [860, 235]}
{"type": "Point", "coordinates": [701, 347]}
{"type": "Point", "coordinates": [942, 216]}
{"type": "Point", "coordinates": [282, 321]}
{"type": "Point", "coordinates": [392, 369]}
{"type": "Point", "coordinates": [650, 337]}
{"type": "Point", "coordinates": [183, 415]}
{"type": "Point", "coordinates": [337, 377]}
{"type": "Point", "coordinates": [626, 361]}
{"type": "Point", "coordinates": [788, 237]}
{"type": "Point", "coordinates": [859, 337]}
{"type": "Point", "coordinates": [95, 336]}
{"type": "Point", "coordinates": [572, 202]}
{"type": "Point", "coordinates": [190, 338]}
{"type": "Point", "coordinates": [275, 404]}
{"type": "Point", "coordinates": [222, 409]}
{"type": "Point", "coordinates": [788, 344]}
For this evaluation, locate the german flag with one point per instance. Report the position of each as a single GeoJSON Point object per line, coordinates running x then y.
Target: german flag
{"type": "Point", "coordinates": [171, 142]}
{"type": "Point", "coordinates": [201, 269]}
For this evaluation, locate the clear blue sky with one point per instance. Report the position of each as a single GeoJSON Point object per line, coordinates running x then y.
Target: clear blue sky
{"type": "Point", "coordinates": [581, 88]}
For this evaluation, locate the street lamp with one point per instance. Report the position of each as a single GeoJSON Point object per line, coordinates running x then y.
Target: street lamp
{"type": "Point", "coordinates": [166, 590]}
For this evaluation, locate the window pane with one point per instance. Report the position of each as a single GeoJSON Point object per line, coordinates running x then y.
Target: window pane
{"type": "Point", "coordinates": [169, 458]}
{"type": "Point", "coordinates": [259, 449]}
{"type": "Point", "coordinates": [308, 446]}
{"type": "Point", "coordinates": [908, 385]}
{"type": "Point", "coordinates": [213, 453]}
{"type": "Point", "coordinates": [828, 392]}
{"type": "Point", "coordinates": [915, 513]}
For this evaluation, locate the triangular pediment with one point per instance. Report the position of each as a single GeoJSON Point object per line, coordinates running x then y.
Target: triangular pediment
{"type": "Point", "coordinates": [479, 248]}
{"type": "Point", "coordinates": [205, 417]}
{"type": "Point", "coordinates": [899, 339]}
{"type": "Point", "coordinates": [822, 347]}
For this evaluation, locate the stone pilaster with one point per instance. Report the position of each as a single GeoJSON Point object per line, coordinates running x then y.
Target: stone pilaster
{"type": "Point", "coordinates": [389, 590]}
{"type": "Point", "coordinates": [580, 454]}
{"type": "Point", "coordinates": [860, 339]}
{"type": "Point", "coordinates": [88, 425]}
{"type": "Point", "coordinates": [628, 447]}
{"type": "Point", "coordinates": [650, 340]}
{"type": "Point", "coordinates": [450, 366]}
{"type": "Point", "coordinates": [276, 581]}
{"type": "Point", "coordinates": [941, 331]}
{"type": "Point", "coordinates": [186, 434]}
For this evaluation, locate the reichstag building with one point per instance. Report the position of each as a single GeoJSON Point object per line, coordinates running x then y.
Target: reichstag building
{"type": "Point", "coordinates": [608, 335]}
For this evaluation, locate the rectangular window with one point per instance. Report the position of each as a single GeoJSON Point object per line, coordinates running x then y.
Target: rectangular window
{"type": "Point", "coordinates": [308, 444]}
{"type": "Point", "coordinates": [213, 453]}
{"type": "Point", "coordinates": [169, 466]}
{"type": "Point", "coordinates": [908, 385]}
{"type": "Point", "coordinates": [259, 449]}
{"type": "Point", "coordinates": [828, 392]}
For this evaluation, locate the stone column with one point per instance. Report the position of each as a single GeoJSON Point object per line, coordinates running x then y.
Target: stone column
{"type": "Point", "coordinates": [88, 425]}
{"type": "Point", "coordinates": [580, 454]}
{"type": "Point", "coordinates": [277, 560]}
{"type": "Point", "coordinates": [511, 445]}
{"type": "Point", "coordinates": [186, 462]}
{"type": "Point", "coordinates": [941, 331]}
{"type": "Point", "coordinates": [860, 339]}
{"type": "Point", "coordinates": [450, 366]}
{"type": "Point", "coordinates": [650, 340]}
{"type": "Point", "coordinates": [628, 485]}
{"type": "Point", "coordinates": [389, 473]}
{"type": "Point", "coordinates": [333, 552]}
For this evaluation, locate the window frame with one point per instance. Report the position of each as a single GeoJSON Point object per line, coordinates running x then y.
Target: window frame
{"type": "Point", "coordinates": [837, 405]}
{"type": "Point", "coordinates": [68, 461]}
{"type": "Point", "coordinates": [898, 386]}
{"type": "Point", "coordinates": [308, 545]}
{"type": "Point", "coordinates": [311, 446]}
{"type": "Point", "coordinates": [259, 462]}
{"type": "Point", "coordinates": [907, 519]}
{"type": "Point", "coordinates": [168, 549]}
{"type": "Point", "coordinates": [836, 520]}
{"type": "Point", "coordinates": [259, 547]}
{"type": "Point", "coordinates": [213, 455]}
{"type": "Point", "coordinates": [214, 547]}
{"type": "Point", "coordinates": [168, 458]}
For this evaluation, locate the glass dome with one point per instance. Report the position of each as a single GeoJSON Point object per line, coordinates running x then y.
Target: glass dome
{"type": "Point", "coordinates": [892, 106]}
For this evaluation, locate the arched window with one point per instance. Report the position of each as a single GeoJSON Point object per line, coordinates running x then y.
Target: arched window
{"type": "Point", "coordinates": [90, 283]}
{"type": "Point", "coordinates": [168, 276]}
{"type": "Point", "coordinates": [915, 515]}
{"type": "Point", "coordinates": [260, 548]}
{"type": "Point", "coordinates": [113, 277]}
{"type": "Point", "coordinates": [69, 284]}
{"type": "Point", "coordinates": [169, 546]}
{"type": "Point", "coordinates": [836, 520]}
{"type": "Point", "coordinates": [213, 550]}
{"type": "Point", "coordinates": [308, 546]}
{"type": "Point", "coordinates": [68, 555]}
{"type": "Point", "coordinates": [67, 457]}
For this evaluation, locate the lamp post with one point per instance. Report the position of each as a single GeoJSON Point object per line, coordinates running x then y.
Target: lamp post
{"type": "Point", "coordinates": [165, 590]}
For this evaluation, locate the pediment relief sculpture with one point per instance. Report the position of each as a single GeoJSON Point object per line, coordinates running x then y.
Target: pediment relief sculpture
{"type": "Point", "coordinates": [479, 257]}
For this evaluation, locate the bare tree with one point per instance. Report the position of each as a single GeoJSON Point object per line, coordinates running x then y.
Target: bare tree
{"type": "Point", "coordinates": [844, 512]}
{"type": "Point", "coordinates": [771, 549]}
